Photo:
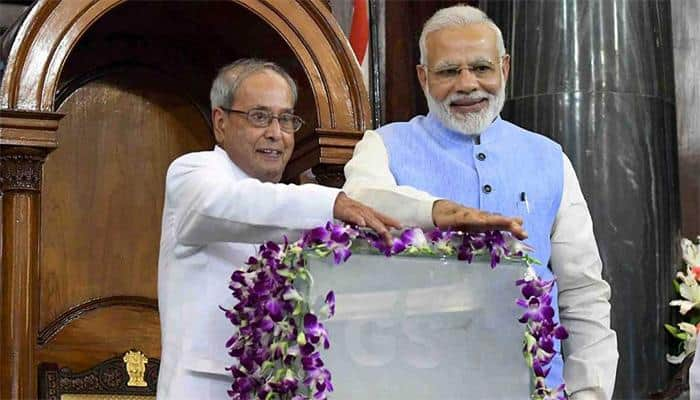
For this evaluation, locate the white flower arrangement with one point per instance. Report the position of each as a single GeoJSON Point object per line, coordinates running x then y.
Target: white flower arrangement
{"type": "Point", "coordinates": [687, 284]}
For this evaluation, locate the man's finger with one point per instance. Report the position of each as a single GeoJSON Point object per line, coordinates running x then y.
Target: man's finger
{"type": "Point", "coordinates": [500, 222]}
{"type": "Point", "coordinates": [518, 230]}
{"type": "Point", "coordinates": [513, 225]}
{"type": "Point", "coordinates": [388, 221]}
{"type": "Point", "coordinates": [486, 221]}
{"type": "Point", "coordinates": [355, 217]}
{"type": "Point", "coordinates": [379, 227]}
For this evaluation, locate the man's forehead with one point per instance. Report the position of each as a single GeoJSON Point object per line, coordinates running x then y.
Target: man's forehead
{"type": "Point", "coordinates": [266, 90]}
{"type": "Point", "coordinates": [466, 43]}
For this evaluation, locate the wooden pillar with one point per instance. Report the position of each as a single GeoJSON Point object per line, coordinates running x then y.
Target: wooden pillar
{"type": "Point", "coordinates": [25, 140]}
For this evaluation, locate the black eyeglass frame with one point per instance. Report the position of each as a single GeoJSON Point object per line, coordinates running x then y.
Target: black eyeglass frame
{"type": "Point", "coordinates": [295, 118]}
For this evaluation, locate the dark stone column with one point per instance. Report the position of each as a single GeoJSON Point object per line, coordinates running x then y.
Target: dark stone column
{"type": "Point", "coordinates": [597, 77]}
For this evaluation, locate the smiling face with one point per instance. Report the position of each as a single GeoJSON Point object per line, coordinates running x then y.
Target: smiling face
{"type": "Point", "coordinates": [464, 76]}
{"type": "Point", "coordinates": [262, 153]}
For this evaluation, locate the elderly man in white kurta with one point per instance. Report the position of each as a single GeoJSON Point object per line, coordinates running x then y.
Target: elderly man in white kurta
{"type": "Point", "coordinates": [219, 204]}
{"type": "Point", "coordinates": [463, 151]}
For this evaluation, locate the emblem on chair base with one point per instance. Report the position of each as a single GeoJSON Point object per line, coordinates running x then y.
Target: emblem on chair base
{"type": "Point", "coordinates": [129, 376]}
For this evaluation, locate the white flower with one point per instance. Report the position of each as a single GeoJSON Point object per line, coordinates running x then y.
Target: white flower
{"type": "Point", "coordinates": [692, 295]}
{"type": "Point", "coordinates": [691, 252]}
{"type": "Point", "coordinates": [688, 344]}
{"type": "Point", "coordinates": [418, 239]}
{"type": "Point", "coordinates": [515, 246]}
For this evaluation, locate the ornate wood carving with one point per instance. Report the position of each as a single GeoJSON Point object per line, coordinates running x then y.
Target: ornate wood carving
{"type": "Point", "coordinates": [25, 139]}
{"type": "Point", "coordinates": [20, 171]}
{"type": "Point", "coordinates": [109, 377]}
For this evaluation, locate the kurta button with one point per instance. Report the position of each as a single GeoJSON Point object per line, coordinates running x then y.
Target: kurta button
{"type": "Point", "coordinates": [481, 156]}
{"type": "Point", "coordinates": [487, 189]}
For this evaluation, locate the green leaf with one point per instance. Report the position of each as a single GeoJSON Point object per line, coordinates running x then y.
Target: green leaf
{"type": "Point", "coordinates": [306, 275]}
{"type": "Point", "coordinates": [287, 273]}
{"type": "Point", "coordinates": [279, 374]}
{"type": "Point", "coordinates": [677, 286]}
{"type": "Point", "coordinates": [671, 329]}
{"type": "Point", "coordinates": [266, 365]}
{"type": "Point", "coordinates": [531, 260]}
{"type": "Point", "coordinates": [298, 309]}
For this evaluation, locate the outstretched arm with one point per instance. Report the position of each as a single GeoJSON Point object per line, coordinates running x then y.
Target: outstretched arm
{"type": "Point", "coordinates": [590, 352]}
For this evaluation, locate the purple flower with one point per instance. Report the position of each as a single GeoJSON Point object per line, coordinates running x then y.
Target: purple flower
{"type": "Point", "coordinates": [275, 308]}
{"type": "Point", "coordinates": [242, 385]}
{"type": "Point", "coordinates": [414, 238]}
{"type": "Point", "coordinates": [560, 333]}
{"type": "Point", "coordinates": [378, 243]}
{"type": "Point", "coordinates": [288, 384]}
{"type": "Point", "coordinates": [315, 331]}
{"type": "Point", "coordinates": [540, 369]}
{"type": "Point", "coordinates": [537, 310]}
{"type": "Point", "coordinates": [334, 237]}
{"type": "Point", "coordinates": [534, 287]}
{"type": "Point", "coordinates": [341, 254]}
{"type": "Point", "coordinates": [440, 237]}
{"type": "Point", "coordinates": [464, 252]}
{"type": "Point", "coordinates": [329, 307]}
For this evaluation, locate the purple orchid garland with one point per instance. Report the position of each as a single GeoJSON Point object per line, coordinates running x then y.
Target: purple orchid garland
{"type": "Point", "coordinates": [278, 337]}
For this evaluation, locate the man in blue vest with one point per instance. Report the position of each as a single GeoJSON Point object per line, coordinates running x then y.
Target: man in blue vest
{"type": "Point", "coordinates": [463, 151]}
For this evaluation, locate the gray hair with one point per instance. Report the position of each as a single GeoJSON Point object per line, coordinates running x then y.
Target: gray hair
{"type": "Point", "coordinates": [230, 77]}
{"type": "Point", "coordinates": [455, 16]}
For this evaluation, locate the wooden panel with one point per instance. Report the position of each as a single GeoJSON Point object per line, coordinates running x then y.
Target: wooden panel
{"type": "Point", "coordinates": [103, 188]}
{"type": "Point", "coordinates": [101, 334]}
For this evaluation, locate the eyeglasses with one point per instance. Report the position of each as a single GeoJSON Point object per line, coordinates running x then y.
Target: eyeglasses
{"type": "Point", "coordinates": [262, 119]}
{"type": "Point", "coordinates": [482, 69]}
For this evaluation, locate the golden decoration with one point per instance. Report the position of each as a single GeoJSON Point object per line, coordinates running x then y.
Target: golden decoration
{"type": "Point", "coordinates": [136, 368]}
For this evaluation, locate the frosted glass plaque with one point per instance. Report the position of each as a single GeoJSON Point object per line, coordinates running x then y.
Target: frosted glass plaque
{"type": "Point", "coordinates": [423, 328]}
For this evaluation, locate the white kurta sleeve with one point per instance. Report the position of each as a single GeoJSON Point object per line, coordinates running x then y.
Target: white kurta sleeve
{"type": "Point", "coordinates": [694, 378]}
{"type": "Point", "coordinates": [212, 206]}
{"type": "Point", "coordinates": [590, 352]}
{"type": "Point", "coordinates": [370, 181]}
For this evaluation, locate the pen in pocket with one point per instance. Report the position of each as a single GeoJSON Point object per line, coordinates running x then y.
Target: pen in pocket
{"type": "Point", "coordinates": [523, 200]}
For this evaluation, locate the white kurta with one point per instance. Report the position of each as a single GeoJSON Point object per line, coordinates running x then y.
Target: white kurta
{"type": "Point", "coordinates": [694, 378]}
{"type": "Point", "coordinates": [213, 216]}
{"type": "Point", "coordinates": [590, 352]}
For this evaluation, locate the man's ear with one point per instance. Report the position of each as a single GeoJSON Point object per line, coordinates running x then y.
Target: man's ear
{"type": "Point", "coordinates": [506, 67]}
{"type": "Point", "coordinates": [218, 123]}
{"type": "Point", "coordinates": [422, 78]}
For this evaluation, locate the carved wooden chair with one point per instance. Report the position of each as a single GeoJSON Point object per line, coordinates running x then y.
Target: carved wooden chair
{"type": "Point", "coordinates": [131, 376]}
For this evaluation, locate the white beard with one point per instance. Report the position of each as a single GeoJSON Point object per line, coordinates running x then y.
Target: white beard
{"type": "Point", "coordinates": [472, 124]}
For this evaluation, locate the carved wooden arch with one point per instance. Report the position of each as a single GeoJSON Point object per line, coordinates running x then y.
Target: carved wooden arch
{"type": "Point", "coordinates": [45, 39]}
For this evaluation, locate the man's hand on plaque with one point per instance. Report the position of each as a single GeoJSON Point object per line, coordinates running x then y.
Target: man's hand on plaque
{"type": "Point", "coordinates": [448, 214]}
{"type": "Point", "coordinates": [354, 212]}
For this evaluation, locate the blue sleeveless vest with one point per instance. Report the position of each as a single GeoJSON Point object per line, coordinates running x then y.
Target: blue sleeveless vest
{"type": "Point", "coordinates": [491, 176]}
